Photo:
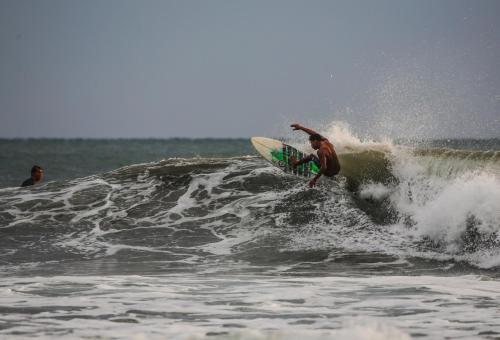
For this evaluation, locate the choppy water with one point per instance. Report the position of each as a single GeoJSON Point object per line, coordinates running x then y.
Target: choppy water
{"type": "Point", "coordinates": [404, 244]}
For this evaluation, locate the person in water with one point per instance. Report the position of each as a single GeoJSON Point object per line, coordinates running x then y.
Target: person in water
{"type": "Point", "coordinates": [36, 176]}
{"type": "Point", "coordinates": [326, 160]}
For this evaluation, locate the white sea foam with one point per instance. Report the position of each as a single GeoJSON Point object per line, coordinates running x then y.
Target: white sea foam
{"type": "Point", "coordinates": [250, 307]}
{"type": "Point", "coordinates": [377, 191]}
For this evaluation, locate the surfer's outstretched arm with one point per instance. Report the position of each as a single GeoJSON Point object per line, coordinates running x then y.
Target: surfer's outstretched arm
{"type": "Point", "coordinates": [306, 130]}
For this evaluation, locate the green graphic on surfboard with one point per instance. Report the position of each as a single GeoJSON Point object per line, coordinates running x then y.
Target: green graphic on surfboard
{"type": "Point", "coordinates": [279, 154]}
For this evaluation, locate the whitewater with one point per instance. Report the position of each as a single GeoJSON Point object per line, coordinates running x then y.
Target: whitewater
{"type": "Point", "coordinates": [217, 243]}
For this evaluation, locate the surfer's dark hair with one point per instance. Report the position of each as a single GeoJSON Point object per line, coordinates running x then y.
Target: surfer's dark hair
{"type": "Point", "coordinates": [315, 137]}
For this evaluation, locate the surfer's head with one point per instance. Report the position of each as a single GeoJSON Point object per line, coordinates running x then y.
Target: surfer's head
{"type": "Point", "coordinates": [315, 140]}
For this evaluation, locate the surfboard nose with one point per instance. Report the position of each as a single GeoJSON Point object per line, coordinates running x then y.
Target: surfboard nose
{"type": "Point", "coordinates": [257, 140]}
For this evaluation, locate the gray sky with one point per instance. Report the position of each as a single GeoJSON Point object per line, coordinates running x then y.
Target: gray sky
{"type": "Point", "coordinates": [240, 68]}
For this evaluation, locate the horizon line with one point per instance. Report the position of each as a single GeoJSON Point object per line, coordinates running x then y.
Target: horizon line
{"type": "Point", "coordinates": [226, 138]}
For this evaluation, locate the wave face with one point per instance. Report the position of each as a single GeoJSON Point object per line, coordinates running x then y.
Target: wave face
{"type": "Point", "coordinates": [177, 211]}
{"type": "Point", "coordinates": [394, 208]}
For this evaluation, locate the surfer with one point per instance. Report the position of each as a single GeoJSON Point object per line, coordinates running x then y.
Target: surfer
{"type": "Point", "coordinates": [36, 176]}
{"type": "Point", "coordinates": [326, 160]}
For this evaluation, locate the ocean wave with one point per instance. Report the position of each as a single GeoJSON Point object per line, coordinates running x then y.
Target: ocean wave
{"type": "Point", "coordinates": [389, 199]}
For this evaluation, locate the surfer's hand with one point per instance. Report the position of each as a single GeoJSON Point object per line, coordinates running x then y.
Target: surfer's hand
{"type": "Point", "coordinates": [293, 160]}
{"type": "Point", "coordinates": [296, 126]}
{"type": "Point", "coordinates": [312, 183]}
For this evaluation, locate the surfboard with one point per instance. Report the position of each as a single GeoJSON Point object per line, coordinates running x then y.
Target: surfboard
{"type": "Point", "coordinates": [279, 153]}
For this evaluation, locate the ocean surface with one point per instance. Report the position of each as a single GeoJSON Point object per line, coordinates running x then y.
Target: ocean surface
{"type": "Point", "coordinates": [194, 239]}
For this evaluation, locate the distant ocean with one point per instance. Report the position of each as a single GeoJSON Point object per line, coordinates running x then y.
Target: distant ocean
{"type": "Point", "coordinates": [201, 238]}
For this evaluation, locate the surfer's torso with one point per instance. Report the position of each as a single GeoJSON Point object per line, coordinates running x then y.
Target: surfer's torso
{"type": "Point", "coordinates": [332, 162]}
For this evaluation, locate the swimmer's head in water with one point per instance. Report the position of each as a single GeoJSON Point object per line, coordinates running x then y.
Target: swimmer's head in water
{"type": "Point", "coordinates": [37, 173]}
